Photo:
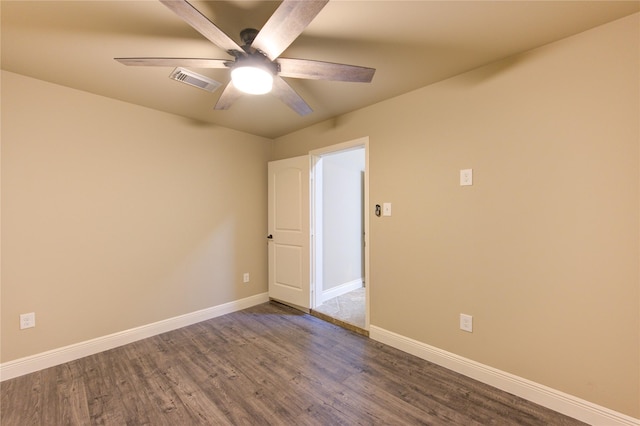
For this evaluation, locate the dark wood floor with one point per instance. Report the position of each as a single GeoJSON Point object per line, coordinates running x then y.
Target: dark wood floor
{"type": "Point", "coordinates": [265, 365]}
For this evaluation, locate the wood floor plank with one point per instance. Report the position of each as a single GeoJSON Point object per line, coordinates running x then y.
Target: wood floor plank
{"type": "Point", "coordinates": [154, 362]}
{"type": "Point", "coordinates": [267, 365]}
{"type": "Point", "coordinates": [28, 407]}
{"type": "Point", "coordinates": [446, 399]}
{"type": "Point", "coordinates": [103, 394]}
{"type": "Point", "coordinates": [72, 402]}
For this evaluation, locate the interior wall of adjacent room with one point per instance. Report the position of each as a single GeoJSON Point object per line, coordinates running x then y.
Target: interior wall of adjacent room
{"type": "Point", "coordinates": [342, 195]}
{"type": "Point", "coordinates": [116, 216]}
{"type": "Point", "coordinates": [543, 249]}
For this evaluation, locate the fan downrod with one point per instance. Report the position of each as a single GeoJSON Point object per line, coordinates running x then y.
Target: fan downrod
{"type": "Point", "coordinates": [248, 35]}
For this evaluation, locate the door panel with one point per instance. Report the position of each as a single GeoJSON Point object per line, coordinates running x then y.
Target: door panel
{"type": "Point", "coordinates": [289, 261]}
{"type": "Point", "coordinates": [288, 195]}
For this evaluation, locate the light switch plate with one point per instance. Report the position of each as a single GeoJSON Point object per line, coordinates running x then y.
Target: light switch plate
{"type": "Point", "coordinates": [466, 177]}
{"type": "Point", "coordinates": [386, 209]}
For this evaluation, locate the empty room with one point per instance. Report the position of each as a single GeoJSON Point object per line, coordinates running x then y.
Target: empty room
{"type": "Point", "coordinates": [193, 193]}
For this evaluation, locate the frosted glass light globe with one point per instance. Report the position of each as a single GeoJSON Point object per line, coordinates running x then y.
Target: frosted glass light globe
{"type": "Point", "coordinates": [252, 80]}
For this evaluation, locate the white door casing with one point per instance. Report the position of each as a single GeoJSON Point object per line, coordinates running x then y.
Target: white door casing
{"type": "Point", "coordinates": [288, 229]}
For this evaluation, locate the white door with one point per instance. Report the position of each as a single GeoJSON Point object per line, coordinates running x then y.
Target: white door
{"type": "Point", "coordinates": [289, 260]}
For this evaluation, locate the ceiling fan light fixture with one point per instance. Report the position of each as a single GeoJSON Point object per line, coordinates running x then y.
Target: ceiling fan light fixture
{"type": "Point", "coordinates": [252, 79]}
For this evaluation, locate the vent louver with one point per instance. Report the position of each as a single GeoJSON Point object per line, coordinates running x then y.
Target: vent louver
{"type": "Point", "coordinates": [194, 79]}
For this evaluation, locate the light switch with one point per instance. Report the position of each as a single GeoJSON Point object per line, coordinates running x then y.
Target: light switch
{"type": "Point", "coordinates": [386, 209]}
{"type": "Point", "coordinates": [466, 177]}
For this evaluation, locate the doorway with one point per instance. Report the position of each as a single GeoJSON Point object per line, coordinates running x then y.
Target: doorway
{"type": "Point", "coordinates": [339, 225]}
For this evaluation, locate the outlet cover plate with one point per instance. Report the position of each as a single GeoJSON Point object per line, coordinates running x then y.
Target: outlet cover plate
{"type": "Point", "coordinates": [27, 320]}
{"type": "Point", "coordinates": [466, 323]}
{"type": "Point", "coordinates": [466, 177]}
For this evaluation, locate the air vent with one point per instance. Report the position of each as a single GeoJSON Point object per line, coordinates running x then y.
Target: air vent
{"type": "Point", "coordinates": [194, 79]}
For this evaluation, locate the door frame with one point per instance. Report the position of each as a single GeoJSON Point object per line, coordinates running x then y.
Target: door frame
{"type": "Point", "coordinates": [316, 227]}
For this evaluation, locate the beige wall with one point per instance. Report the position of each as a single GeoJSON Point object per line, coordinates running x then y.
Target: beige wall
{"type": "Point", "coordinates": [543, 249]}
{"type": "Point", "coordinates": [116, 216]}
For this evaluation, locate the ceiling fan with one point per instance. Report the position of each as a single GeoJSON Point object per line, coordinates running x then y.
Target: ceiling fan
{"type": "Point", "coordinates": [256, 66]}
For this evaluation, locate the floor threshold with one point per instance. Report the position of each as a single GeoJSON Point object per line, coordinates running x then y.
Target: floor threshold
{"type": "Point", "coordinates": [340, 323]}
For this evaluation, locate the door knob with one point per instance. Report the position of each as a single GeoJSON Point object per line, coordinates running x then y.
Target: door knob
{"type": "Point", "coordinates": [270, 237]}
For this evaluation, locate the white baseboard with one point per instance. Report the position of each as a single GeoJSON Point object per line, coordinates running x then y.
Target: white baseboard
{"type": "Point", "coordinates": [341, 289]}
{"type": "Point", "coordinates": [33, 363]}
{"type": "Point", "coordinates": [547, 397]}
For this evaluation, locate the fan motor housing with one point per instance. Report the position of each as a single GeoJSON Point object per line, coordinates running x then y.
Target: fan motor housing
{"type": "Point", "coordinates": [257, 59]}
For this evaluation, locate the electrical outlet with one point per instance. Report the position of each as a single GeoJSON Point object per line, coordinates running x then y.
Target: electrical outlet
{"type": "Point", "coordinates": [466, 323]}
{"type": "Point", "coordinates": [466, 177]}
{"type": "Point", "coordinates": [245, 277]}
{"type": "Point", "coordinates": [27, 320]}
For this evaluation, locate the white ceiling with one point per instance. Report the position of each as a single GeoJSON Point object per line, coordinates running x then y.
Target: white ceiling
{"type": "Point", "coordinates": [410, 43]}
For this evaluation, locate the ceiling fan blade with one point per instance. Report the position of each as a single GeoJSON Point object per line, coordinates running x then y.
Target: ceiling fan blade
{"type": "Point", "coordinates": [228, 97]}
{"type": "Point", "coordinates": [285, 25]}
{"type": "Point", "coordinates": [320, 70]}
{"type": "Point", "coordinates": [203, 25]}
{"type": "Point", "coordinates": [174, 62]}
{"type": "Point", "coordinates": [286, 94]}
